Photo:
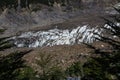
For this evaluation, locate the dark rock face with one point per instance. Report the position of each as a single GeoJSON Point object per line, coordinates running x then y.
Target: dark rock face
{"type": "Point", "coordinates": [99, 3]}
{"type": "Point", "coordinates": [93, 3]}
{"type": "Point", "coordinates": [15, 22]}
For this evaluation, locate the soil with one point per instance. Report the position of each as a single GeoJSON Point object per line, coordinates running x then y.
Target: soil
{"type": "Point", "coordinates": [16, 23]}
{"type": "Point", "coordinates": [64, 54]}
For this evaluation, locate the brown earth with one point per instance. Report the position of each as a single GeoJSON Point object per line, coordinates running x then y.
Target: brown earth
{"type": "Point", "coordinates": [65, 55]}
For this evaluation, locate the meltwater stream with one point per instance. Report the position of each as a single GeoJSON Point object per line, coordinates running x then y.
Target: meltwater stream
{"type": "Point", "coordinates": [57, 37]}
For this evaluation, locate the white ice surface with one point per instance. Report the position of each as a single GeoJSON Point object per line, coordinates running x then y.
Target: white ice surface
{"type": "Point", "coordinates": [57, 37]}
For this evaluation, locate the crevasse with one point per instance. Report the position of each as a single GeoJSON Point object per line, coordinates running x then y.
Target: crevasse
{"type": "Point", "coordinates": [57, 37]}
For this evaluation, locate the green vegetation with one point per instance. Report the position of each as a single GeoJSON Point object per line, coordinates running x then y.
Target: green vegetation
{"type": "Point", "coordinates": [74, 70]}
{"type": "Point", "coordinates": [50, 69]}
{"type": "Point", "coordinates": [26, 3]}
{"type": "Point", "coordinates": [23, 3]}
{"type": "Point", "coordinates": [27, 73]}
{"type": "Point", "coordinates": [106, 66]}
{"type": "Point", "coordinates": [12, 66]}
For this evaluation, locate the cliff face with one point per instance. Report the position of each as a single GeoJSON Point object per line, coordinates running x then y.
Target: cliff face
{"type": "Point", "coordinates": [100, 1]}
{"type": "Point", "coordinates": [15, 22]}
{"type": "Point", "coordinates": [93, 3]}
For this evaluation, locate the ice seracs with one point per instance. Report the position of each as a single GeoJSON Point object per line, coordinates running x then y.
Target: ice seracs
{"type": "Point", "coordinates": [57, 37]}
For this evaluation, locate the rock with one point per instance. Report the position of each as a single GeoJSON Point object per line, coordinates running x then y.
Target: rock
{"type": "Point", "coordinates": [117, 6]}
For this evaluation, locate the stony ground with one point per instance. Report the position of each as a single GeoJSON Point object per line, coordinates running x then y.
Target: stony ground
{"type": "Point", "coordinates": [65, 55]}
{"type": "Point", "coordinates": [18, 22]}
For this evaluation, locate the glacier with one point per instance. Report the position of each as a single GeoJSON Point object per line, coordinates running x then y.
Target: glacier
{"type": "Point", "coordinates": [81, 34]}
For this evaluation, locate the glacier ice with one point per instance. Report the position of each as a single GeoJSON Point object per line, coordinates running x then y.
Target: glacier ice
{"type": "Point", "coordinates": [57, 37]}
